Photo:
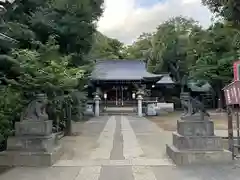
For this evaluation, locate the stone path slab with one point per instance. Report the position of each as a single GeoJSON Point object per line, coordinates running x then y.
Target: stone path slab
{"type": "Point", "coordinates": [120, 148]}
{"type": "Point", "coordinates": [49, 173]}
{"type": "Point", "coordinates": [116, 173]}
{"type": "Point", "coordinates": [127, 162]}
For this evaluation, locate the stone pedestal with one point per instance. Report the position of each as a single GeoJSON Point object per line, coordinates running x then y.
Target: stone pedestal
{"type": "Point", "coordinates": [34, 144]}
{"type": "Point", "coordinates": [36, 128]}
{"type": "Point", "coordinates": [195, 143]}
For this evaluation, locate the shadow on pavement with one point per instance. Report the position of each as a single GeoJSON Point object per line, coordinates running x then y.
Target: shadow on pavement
{"type": "Point", "coordinates": [4, 169]}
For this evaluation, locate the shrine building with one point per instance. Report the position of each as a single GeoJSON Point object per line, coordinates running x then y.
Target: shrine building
{"type": "Point", "coordinates": [117, 82]}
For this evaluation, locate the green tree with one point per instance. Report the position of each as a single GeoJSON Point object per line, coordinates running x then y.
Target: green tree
{"type": "Point", "coordinates": [182, 47]}
{"type": "Point", "coordinates": [141, 46]}
{"type": "Point", "coordinates": [108, 48]}
{"type": "Point", "coordinates": [170, 46]}
{"type": "Point", "coordinates": [228, 9]}
{"type": "Point", "coordinates": [215, 62]}
{"type": "Point", "coordinates": [53, 37]}
{"type": "Point", "coordinates": [72, 22]}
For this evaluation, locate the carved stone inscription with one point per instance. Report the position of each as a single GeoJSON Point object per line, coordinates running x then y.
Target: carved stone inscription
{"type": "Point", "coordinates": [34, 128]}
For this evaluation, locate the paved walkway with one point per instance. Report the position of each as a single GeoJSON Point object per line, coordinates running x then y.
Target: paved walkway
{"type": "Point", "coordinates": [120, 148]}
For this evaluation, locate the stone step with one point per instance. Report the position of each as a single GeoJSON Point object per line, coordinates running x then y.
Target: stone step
{"type": "Point", "coordinates": [16, 158]}
{"type": "Point", "coordinates": [118, 113]}
{"type": "Point", "coordinates": [207, 143]}
{"type": "Point", "coordinates": [126, 109]}
{"type": "Point", "coordinates": [185, 157]}
{"type": "Point", "coordinates": [32, 143]}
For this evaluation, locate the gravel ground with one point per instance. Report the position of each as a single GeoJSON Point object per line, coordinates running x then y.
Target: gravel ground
{"type": "Point", "coordinates": [168, 122]}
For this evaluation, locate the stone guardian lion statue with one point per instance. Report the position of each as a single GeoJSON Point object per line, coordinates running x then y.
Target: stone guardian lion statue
{"type": "Point", "coordinates": [36, 109]}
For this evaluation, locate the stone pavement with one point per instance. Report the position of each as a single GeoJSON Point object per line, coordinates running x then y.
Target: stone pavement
{"type": "Point", "coordinates": [120, 148]}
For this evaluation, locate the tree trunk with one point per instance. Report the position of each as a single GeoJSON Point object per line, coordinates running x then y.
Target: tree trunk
{"type": "Point", "coordinates": [68, 120]}
{"type": "Point", "coordinates": [220, 97]}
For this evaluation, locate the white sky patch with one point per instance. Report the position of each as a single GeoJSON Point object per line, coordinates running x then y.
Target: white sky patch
{"type": "Point", "coordinates": [125, 21]}
{"type": "Point", "coordinates": [190, 1]}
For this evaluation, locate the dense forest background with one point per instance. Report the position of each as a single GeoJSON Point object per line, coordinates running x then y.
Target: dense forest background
{"type": "Point", "coordinates": [48, 53]}
{"type": "Point", "coordinates": [51, 46]}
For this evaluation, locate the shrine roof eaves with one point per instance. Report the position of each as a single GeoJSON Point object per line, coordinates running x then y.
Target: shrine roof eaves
{"type": "Point", "coordinates": [123, 70]}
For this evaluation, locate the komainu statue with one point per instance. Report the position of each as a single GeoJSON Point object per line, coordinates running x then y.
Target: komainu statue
{"type": "Point", "coordinates": [36, 109]}
{"type": "Point", "coordinates": [198, 106]}
{"type": "Point", "coordinates": [185, 99]}
{"type": "Point", "coordinates": [192, 105]}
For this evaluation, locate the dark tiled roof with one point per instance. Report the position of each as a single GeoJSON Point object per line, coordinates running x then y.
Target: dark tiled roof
{"type": "Point", "coordinates": [166, 79]}
{"type": "Point", "coordinates": [124, 70]}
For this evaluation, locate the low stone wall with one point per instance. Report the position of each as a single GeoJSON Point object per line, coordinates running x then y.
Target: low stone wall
{"type": "Point", "coordinates": [168, 107]}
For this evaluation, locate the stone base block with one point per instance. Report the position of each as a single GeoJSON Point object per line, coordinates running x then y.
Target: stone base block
{"type": "Point", "coordinates": [37, 128]}
{"type": "Point", "coordinates": [204, 143]}
{"type": "Point", "coordinates": [195, 128]}
{"type": "Point", "coordinates": [15, 158]}
{"type": "Point", "coordinates": [87, 113]}
{"type": "Point", "coordinates": [32, 143]}
{"type": "Point", "coordinates": [198, 157]}
{"type": "Point", "coordinates": [195, 117]}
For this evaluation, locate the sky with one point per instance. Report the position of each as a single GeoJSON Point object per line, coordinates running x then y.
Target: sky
{"type": "Point", "coordinates": [125, 20]}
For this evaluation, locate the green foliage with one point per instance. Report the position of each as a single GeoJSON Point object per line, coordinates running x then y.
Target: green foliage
{"type": "Point", "coordinates": [107, 48]}
{"type": "Point", "coordinates": [45, 70]}
{"type": "Point", "coordinates": [54, 39]}
{"type": "Point", "coordinates": [72, 22]}
{"type": "Point", "coordinates": [228, 9]}
{"type": "Point", "coordinates": [10, 102]}
{"type": "Point", "coordinates": [140, 46]}
{"type": "Point", "coordinates": [220, 50]}
{"type": "Point", "coordinates": [169, 47]}
{"type": "Point", "coordinates": [78, 102]}
{"type": "Point", "coordinates": [183, 48]}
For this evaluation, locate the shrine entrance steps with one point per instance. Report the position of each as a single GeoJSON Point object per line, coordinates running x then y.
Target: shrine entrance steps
{"type": "Point", "coordinates": [119, 111]}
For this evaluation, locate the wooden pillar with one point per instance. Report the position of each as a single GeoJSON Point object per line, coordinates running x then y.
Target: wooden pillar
{"type": "Point", "coordinates": [238, 133]}
{"type": "Point", "coordinates": [116, 96]}
{"type": "Point", "coordinates": [68, 130]}
{"type": "Point", "coordinates": [230, 127]}
{"type": "Point", "coordinates": [122, 89]}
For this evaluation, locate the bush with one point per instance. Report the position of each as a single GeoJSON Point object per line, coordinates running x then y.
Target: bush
{"type": "Point", "coordinates": [11, 104]}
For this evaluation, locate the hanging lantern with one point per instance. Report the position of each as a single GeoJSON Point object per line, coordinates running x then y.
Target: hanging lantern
{"type": "Point", "coordinates": [133, 95]}
{"type": "Point", "coordinates": [105, 95]}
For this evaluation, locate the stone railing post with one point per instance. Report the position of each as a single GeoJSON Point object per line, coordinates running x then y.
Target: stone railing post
{"type": "Point", "coordinates": [97, 103]}
{"type": "Point", "coordinates": [140, 98]}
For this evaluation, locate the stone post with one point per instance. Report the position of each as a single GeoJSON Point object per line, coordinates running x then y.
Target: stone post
{"type": "Point", "coordinates": [97, 102]}
{"type": "Point", "coordinates": [140, 98]}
